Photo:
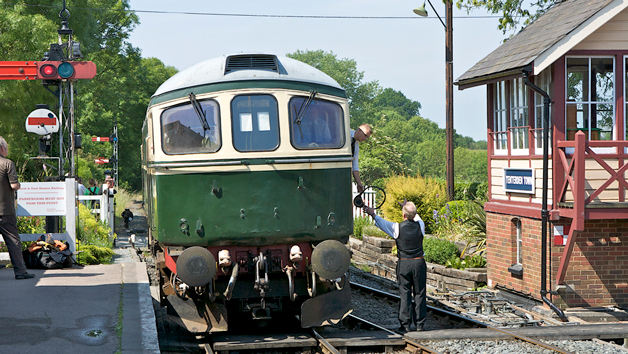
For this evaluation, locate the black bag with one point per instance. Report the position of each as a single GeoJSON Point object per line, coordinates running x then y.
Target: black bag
{"type": "Point", "coordinates": [48, 259]}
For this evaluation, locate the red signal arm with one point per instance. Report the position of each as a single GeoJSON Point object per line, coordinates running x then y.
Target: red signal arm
{"type": "Point", "coordinates": [18, 70]}
{"type": "Point", "coordinates": [29, 70]}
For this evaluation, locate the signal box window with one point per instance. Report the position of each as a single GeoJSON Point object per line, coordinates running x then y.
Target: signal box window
{"type": "Point", "coordinates": [590, 98]}
{"type": "Point", "coordinates": [255, 123]}
{"type": "Point", "coordinates": [184, 132]}
{"type": "Point", "coordinates": [318, 125]}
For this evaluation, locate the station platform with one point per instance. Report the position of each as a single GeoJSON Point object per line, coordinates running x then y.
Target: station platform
{"type": "Point", "coordinates": [92, 309]}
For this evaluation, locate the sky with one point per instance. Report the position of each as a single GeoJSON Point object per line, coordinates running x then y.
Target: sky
{"type": "Point", "coordinates": [405, 53]}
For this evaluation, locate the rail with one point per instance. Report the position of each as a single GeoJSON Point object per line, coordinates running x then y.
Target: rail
{"type": "Point", "coordinates": [474, 322]}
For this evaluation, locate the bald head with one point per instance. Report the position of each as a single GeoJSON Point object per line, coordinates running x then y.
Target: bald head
{"type": "Point", "coordinates": [409, 211]}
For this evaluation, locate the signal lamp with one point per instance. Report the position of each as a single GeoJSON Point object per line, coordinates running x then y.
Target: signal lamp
{"type": "Point", "coordinates": [65, 70]}
{"type": "Point", "coordinates": [48, 71]}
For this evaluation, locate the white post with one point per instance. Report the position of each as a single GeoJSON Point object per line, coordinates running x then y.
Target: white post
{"type": "Point", "coordinates": [104, 206]}
{"type": "Point", "coordinates": [70, 212]}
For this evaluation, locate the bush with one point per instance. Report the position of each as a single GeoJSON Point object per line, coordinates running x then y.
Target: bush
{"type": "Point", "coordinates": [475, 261]}
{"type": "Point", "coordinates": [94, 254]}
{"type": "Point", "coordinates": [439, 250]}
{"type": "Point", "coordinates": [94, 239]}
{"type": "Point", "coordinates": [465, 190]}
{"type": "Point", "coordinates": [426, 193]}
{"type": "Point", "coordinates": [359, 223]}
{"type": "Point", "coordinates": [372, 230]}
{"type": "Point", "coordinates": [31, 224]}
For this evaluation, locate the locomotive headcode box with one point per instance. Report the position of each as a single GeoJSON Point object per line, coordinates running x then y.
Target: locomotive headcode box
{"type": "Point", "coordinates": [519, 180]}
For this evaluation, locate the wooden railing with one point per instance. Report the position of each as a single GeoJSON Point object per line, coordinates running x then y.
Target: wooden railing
{"type": "Point", "coordinates": [575, 171]}
{"type": "Point", "coordinates": [574, 180]}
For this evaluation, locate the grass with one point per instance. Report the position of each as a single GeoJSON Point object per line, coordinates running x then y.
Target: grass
{"type": "Point", "coordinates": [123, 200]}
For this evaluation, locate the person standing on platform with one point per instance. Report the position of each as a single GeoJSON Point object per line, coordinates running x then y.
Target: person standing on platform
{"type": "Point", "coordinates": [411, 267]}
{"type": "Point", "coordinates": [357, 136]}
{"type": "Point", "coordinates": [9, 184]}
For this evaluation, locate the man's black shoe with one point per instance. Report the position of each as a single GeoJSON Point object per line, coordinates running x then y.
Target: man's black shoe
{"type": "Point", "coordinates": [403, 330]}
{"type": "Point", "coordinates": [24, 276]}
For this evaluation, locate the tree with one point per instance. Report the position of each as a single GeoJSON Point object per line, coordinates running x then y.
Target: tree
{"type": "Point", "coordinates": [514, 13]}
{"type": "Point", "coordinates": [345, 72]}
{"type": "Point", "coordinates": [390, 98]}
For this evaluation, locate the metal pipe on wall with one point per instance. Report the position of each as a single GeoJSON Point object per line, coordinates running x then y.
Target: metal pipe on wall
{"type": "Point", "coordinates": [544, 211]}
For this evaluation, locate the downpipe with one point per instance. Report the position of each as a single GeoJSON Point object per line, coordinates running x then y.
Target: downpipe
{"type": "Point", "coordinates": [544, 211]}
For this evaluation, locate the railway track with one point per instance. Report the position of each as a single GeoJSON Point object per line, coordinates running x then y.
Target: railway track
{"type": "Point", "coordinates": [471, 322]}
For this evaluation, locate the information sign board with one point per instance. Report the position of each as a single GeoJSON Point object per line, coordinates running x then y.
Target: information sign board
{"type": "Point", "coordinates": [519, 180]}
{"type": "Point", "coordinates": [41, 199]}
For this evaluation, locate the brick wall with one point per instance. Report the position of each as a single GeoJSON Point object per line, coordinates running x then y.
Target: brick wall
{"type": "Point", "coordinates": [597, 274]}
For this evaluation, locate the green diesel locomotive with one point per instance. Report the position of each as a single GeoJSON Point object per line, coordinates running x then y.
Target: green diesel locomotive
{"type": "Point", "coordinates": [246, 167]}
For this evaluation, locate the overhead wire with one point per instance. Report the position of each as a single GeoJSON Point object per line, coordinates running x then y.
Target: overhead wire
{"type": "Point", "coordinates": [163, 12]}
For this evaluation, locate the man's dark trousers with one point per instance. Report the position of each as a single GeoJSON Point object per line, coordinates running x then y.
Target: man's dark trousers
{"type": "Point", "coordinates": [11, 236]}
{"type": "Point", "coordinates": [411, 276]}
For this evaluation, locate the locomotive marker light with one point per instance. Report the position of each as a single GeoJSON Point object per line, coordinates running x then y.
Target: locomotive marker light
{"type": "Point", "coordinates": [330, 259]}
{"type": "Point", "coordinates": [196, 266]}
{"type": "Point", "coordinates": [42, 122]}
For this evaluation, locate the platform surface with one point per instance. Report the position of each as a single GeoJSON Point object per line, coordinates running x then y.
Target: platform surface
{"type": "Point", "coordinates": [91, 309]}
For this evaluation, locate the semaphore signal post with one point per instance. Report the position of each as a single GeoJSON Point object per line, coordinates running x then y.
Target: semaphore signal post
{"type": "Point", "coordinates": [58, 69]}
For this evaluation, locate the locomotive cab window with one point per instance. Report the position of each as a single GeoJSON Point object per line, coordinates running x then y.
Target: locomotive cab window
{"type": "Point", "coordinates": [183, 131]}
{"type": "Point", "coordinates": [255, 123]}
{"type": "Point", "coordinates": [318, 125]}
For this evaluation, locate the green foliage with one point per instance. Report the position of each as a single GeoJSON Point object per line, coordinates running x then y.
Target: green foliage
{"type": "Point", "coordinates": [465, 190]}
{"type": "Point", "coordinates": [426, 193]}
{"type": "Point", "coordinates": [94, 239]}
{"type": "Point", "coordinates": [448, 222]}
{"type": "Point", "coordinates": [365, 268]}
{"type": "Point", "coordinates": [470, 165]}
{"type": "Point", "coordinates": [476, 219]}
{"type": "Point", "coordinates": [345, 72]}
{"type": "Point", "coordinates": [372, 230]}
{"type": "Point", "coordinates": [390, 98]}
{"type": "Point", "coordinates": [92, 254]}
{"type": "Point", "coordinates": [380, 159]}
{"type": "Point", "coordinates": [359, 222]}
{"type": "Point", "coordinates": [481, 192]}
{"type": "Point", "coordinates": [475, 261]}
{"type": "Point", "coordinates": [123, 200]}
{"type": "Point", "coordinates": [439, 250]}
{"type": "Point", "coordinates": [514, 13]}
{"type": "Point", "coordinates": [31, 224]}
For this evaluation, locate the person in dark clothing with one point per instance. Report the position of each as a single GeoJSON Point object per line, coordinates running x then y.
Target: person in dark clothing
{"type": "Point", "coordinates": [411, 267]}
{"type": "Point", "coordinates": [127, 215]}
{"type": "Point", "coordinates": [8, 220]}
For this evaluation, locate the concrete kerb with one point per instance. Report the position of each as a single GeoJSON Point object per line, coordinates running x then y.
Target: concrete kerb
{"type": "Point", "coordinates": [138, 337]}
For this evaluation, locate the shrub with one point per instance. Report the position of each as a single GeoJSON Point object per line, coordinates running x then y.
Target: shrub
{"type": "Point", "coordinates": [31, 224]}
{"type": "Point", "coordinates": [465, 190]}
{"type": "Point", "coordinates": [359, 223]}
{"type": "Point", "coordinates": [475, 261]}
{"type": "Point", "coordinates": [426, 193]}
{"type": "Point", "coordinates": [94, 239]}
{"type": "Point", "coordinates": [372, 230]}
{"type": "Point", "coordinates": [439, 250]}
{"type": "Point", "coordinates": [94, 254]}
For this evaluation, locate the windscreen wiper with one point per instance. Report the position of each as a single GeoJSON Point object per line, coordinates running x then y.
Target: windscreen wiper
{"type": "Point", "coordinates": [199, 112]}
{"type": "Point", "coordinates": [302, 110]}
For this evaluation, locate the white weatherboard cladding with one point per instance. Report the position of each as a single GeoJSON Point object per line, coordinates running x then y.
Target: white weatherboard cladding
{"type": "Point", "coordinates": [212, 71]}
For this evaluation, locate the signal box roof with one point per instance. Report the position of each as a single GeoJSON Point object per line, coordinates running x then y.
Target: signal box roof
{"type": "Point", "coordinates": [246, 67]}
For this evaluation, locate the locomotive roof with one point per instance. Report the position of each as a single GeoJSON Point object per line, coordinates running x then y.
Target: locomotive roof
{"type": "Point", "coordinates": [253, 68]}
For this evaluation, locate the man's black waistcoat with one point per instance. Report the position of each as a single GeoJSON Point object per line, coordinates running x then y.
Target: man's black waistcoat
{"type": "Point", "coordinates": [410, 240]}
